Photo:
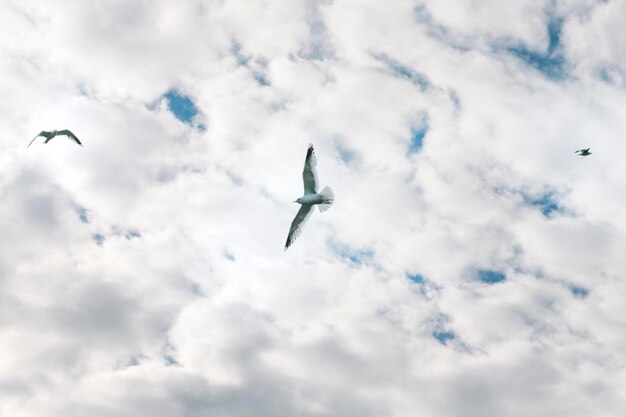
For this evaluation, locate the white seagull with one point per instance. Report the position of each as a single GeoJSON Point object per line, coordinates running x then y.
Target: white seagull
{"type": "Point", "coordinates": [53, 133]}
{"type": "Point", "coordinates": [311, 197]}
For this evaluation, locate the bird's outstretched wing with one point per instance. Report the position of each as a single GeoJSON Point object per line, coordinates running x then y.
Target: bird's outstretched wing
{"type": "Point", "coordinates": [43, 133]}
{"type": "Point", "coordinates": [69, 135]}
{"type": "Point", "coordinates": [309, 176]}
{"type": "Point", "coordinates": [297, 223]}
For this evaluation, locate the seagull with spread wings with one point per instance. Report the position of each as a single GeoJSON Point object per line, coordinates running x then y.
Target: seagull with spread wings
{"type": "Point", "coordinates": [49, 135]}
{"type": "Point", "coordinates": [311, 197]}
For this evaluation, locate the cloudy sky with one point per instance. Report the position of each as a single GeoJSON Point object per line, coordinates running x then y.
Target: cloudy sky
{"type": "Point", "coordinates": [472, 265]}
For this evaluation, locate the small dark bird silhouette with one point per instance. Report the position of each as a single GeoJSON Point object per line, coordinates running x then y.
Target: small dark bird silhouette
{"type": "Point", "coordinates": [583, 152]}
{"type": "Point", "coordinates": [54, 133]}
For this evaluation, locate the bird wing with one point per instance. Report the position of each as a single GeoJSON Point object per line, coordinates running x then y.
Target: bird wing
{"type": "Point", "coordinates": [42, 133]}
{"type": "Point", "coordinates": [309, 176]}
{"type": "Point", "coordinates": [296, 225]}
{"type": "Point", "coordinates": [69, 135]}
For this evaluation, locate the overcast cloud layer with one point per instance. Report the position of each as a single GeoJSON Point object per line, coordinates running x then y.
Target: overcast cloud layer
{"type": "Point", "coordinates": [472, 265]}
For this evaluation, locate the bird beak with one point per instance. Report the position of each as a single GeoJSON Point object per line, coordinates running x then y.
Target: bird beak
{"type": "Point", "coordinates": [295, 201]}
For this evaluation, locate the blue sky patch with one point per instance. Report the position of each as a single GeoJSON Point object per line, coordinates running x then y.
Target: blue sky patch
{"type": "Point", "coordinates": [132, 361]}
{"type": "Point", "coordinates": [169, 353]}
{"type": "Point", "coordinates": [611, 74]}
{"type": "Point", "coordinates": [416, 278]}
{"type": "Point", "coordinates": [318, 47]}
{"type": "Point", "coordinates": [489, 276]}
{"type": "Point", "coordinates": [605, 75]}
{"type": "Point", "coordinates": [417, 138]}
{"type": "Point", "coordinates": [440, 32]}
{"type": "Point", "coordinates": [98, 238]}
{"type": "Point", "coordinates": [402, 71]}
{"type": "Point", "coordinates": [456, 100]}
{"type": "Point", "coordinates": [170, 360]}
{"type": "Point", "coordinates": [82, 214]}
{"type": "Point", "coordinates": [253, 65]}
{"type": "Point", "coordinates": [260, 78]}
{"type": "Point", "coordinates": [419, 284]}
{"type": "Point", "coordinates": [546, 203]}
{"type": "Point", "coordinates": [166, 174]}
{"type": "Point", "coordinates": [229, 255]}
{"type": "Point", "coordinates": [235, 49]}
{"type": "Point", "coordinates": [419, 129]}
{"type": "Point", "coordinates": [182, 106]}
{"type": "Point", "coordinates": [444, 337]}
{"type": "Point", "coordinates": [551, 63]}
{"type": "Point", "coordinates": [579, 292]}
{"type": "Point", "coordinates": [132, 234]}
{"type": "Point", "coordinates": [346, 155]}
{"type": "Point", "coordinates": [196, 289]}
{"type": "Point", "coordinates": [354, 256]}
{"type": "Point", "coordinates": [234, 177]}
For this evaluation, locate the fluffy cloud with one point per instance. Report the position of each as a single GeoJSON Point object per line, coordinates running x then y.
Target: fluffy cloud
{"type": "Point", "coordinates": [471, 265]}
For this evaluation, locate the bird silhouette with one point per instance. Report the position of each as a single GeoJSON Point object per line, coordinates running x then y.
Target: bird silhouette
{"type": "Point", "coordinates": [311, 197]}
{"type": "Point", "coordinates": [49, 135]}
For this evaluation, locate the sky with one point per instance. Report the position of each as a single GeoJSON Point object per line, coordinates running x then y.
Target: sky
{"type": "Point", "coordinates": [472, 265]}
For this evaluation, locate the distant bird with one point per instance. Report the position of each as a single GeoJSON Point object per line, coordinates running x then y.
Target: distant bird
{"type": "Point", "coordinates": [584, 152]}
{"type": "Point", "coordinates": [310, 198]}
{"type": "Point", "coordinates": [54, 133]}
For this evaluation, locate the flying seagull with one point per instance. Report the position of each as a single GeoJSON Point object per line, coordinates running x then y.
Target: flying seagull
{"type": "Point", "coordinates": [584, 152]}
{"type": "Point", "coordinates": [53, 133]}
{"type": "Point", "coordinates": [311, 197]}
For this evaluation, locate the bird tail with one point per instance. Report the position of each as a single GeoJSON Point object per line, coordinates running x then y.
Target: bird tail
{"type": "Point", "coordinates": [328, 199]}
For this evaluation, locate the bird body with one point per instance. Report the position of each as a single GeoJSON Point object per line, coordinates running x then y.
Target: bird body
{"type": "Point", "coordinates": [316, 198]}
{"type": "Point", "coordinates": [323, 199]}
{"type": "Point", "coordinates": [583, 152]}
{"type": "Point", "coordinates": [51, 134]}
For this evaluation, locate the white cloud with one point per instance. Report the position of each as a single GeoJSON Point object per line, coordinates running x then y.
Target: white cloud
{"type": "Point", "coordinates": [145, 272]}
